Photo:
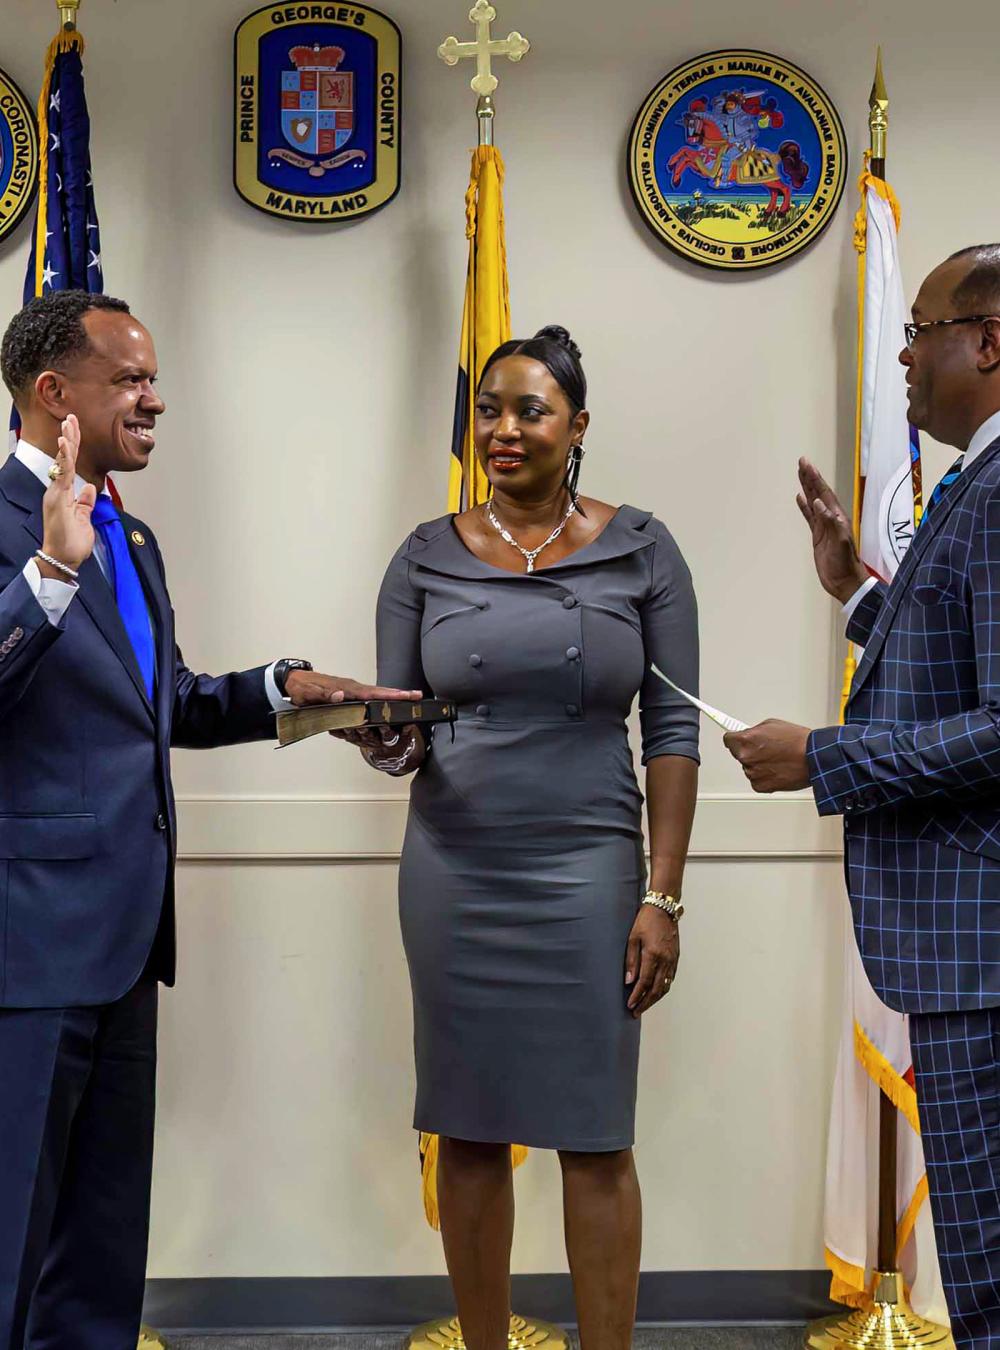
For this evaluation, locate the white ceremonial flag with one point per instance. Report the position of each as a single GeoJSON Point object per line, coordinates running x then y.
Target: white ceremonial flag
{"type": "Point", "coordinates": [888, 443]}
{"type": "Point", "coordinates": [875, 1041]}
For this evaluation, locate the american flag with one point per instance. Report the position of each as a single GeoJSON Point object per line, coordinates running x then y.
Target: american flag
{"type": "Point", "coordinates": [66, 244]}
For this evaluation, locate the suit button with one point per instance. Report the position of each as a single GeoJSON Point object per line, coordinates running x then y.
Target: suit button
{"type": "Point", "coordinates": [483, 710]}
{"type": "Point", "coordinates": [572, 653]}
{"type": "Point", "coordinates": [570, 602]}
{"type": "Point", "coordinates": [475, 660]}
{"type": "Point", "coordinates": [849, 805]}
{"type": "Point", "coordinates": [161, 821]}
{"type": "Point", "coordinates": [572, 709]}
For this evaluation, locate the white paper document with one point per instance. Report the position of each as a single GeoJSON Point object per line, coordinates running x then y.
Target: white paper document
{"type": "Point", "coordinates": [723, 719]}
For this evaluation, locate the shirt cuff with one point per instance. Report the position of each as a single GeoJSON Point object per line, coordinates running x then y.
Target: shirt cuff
{"type": "Point", "coordinates": [858, 596]}
{"type": "Point", "coordinates": [276, 699]}
{"type": "Point", "coordinates": [54, 597]}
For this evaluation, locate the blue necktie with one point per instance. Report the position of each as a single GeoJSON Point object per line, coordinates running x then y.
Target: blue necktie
{"type": "Point", "coordinates": [127, 588]}
{"type": "Point", "coordinates": [953, 473]}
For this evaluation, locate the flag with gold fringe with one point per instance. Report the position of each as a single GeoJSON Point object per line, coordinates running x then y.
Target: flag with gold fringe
{"type": "Point", "coordinates": [485, 325]}
{"type": "Point", "coordinates": [485, 318]}
{"type": "Point", "coordinates": [66, 247]}
{"type": "Point", "coordinates": [66, 241]}
{"type": "Point", "coordinates": [875, 1041]}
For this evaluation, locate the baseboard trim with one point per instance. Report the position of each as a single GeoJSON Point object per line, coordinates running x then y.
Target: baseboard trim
{"type": "Point", "coordinates": [694, 1297]}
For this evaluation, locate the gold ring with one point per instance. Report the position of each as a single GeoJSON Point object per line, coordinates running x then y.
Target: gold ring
{"type": "Point", "coordinates": [55, 472]}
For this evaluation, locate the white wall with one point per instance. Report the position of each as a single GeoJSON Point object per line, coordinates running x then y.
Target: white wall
{"type": "Point", "coordinates": [309, 376]}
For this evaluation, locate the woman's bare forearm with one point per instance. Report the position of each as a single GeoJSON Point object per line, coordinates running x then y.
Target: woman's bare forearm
{"type": "Point", "coordinates": [671, 795]}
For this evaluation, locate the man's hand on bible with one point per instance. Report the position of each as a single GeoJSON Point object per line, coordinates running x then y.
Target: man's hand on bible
{"type": "Point", "coordinates": [838, 566]}
{"type": "Point", "coordinates": [309, 686]}
{"type": "Point", "coordinates": [772, 755]}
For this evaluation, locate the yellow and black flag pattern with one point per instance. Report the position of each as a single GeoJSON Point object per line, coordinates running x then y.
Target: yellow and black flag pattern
{"type": "Point", "coordinates": [485, 318]}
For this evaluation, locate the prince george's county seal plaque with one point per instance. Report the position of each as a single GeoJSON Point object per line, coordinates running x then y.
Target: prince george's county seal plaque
{"type": "Point", "coordinates": [317, 111]}
{"type": "Point", "coordinates": [18, 155]}
{"type": "Point", "coordinates": [737, 160]}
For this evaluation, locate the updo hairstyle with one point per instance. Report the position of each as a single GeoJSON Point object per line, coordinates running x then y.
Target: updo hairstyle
{"type": "Point", "coordinates": [559, 354]}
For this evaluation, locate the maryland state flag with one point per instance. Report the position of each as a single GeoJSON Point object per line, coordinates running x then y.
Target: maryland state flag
{"type": "Point", "coordinates": [66, 244]}
{"type": "Point", "coordinates": [485, 319]}
{"type": "Point", "coordinates": [875, 1041]}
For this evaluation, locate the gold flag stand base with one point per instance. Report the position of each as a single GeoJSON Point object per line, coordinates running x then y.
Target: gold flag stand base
{"type": "Point", "coordinates": [888, 1324]}
{"type": "Point", "coordinates": [446, 1334]}
{"type": "Point", "coordinates": [150, 1340]}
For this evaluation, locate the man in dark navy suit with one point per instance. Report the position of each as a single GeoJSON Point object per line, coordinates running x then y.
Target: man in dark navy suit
{"type": "Point", "coordinates": [915, 771]}
{"type": "Point", "coordinates": [93, 693]}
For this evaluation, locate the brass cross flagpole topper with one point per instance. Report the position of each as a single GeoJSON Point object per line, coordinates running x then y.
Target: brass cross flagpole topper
{"type": "Point", "coordinates": [514, 46]}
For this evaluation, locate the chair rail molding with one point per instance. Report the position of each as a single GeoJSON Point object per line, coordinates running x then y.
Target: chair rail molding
{"type": "Point", "coordinates": [369, 829]}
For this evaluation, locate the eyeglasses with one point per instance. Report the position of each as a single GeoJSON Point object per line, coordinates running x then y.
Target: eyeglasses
{"type": "Point", "coordinates": [912, 329]}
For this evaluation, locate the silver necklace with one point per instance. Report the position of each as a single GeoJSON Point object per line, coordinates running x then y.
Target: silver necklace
{"type": "Point", "coordinates": [529, 554]}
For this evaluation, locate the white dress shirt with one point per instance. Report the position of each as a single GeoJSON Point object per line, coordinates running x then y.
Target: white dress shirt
{"type": "Point", "coordinates": [55, 597]}
{"type": "Point", "coordinates": [985, 435]}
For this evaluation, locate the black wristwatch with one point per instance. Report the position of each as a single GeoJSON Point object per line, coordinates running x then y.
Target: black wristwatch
{"type": "Point", "coordinates": [284, 667]}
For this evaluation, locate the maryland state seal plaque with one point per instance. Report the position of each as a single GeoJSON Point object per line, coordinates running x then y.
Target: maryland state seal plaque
{"type": "Point", "coordinates": [317, 111]}
{"type": "Point", "coordinates": [18, 155]}
{"type": "Point", "coordinates": [737, 160]}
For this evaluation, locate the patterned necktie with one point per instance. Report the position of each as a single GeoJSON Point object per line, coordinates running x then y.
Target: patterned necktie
{"type": "Point", "coordinates": [127, 588]}
{"type": "Point", "coordinates": [953, 473]}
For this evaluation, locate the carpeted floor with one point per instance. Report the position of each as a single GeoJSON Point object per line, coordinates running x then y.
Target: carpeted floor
{"type": "Point", "coordinates": [646, 1338]}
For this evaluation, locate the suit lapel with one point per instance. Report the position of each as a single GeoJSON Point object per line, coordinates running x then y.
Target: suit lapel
{"type": "Point", "coordinates": [23, 490]}
{"type": "Point", "coordinates": [99, 601]}
{"type": "Point", "coordinates": [159, 608]}
{"type": "Point", "coordinates": [922, 539]}
{"type": "Point", "coordinates": [20, 486]}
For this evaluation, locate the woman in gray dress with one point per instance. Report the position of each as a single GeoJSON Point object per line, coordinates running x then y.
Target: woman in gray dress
{"type": "Point", "coordinates": [532, 949]}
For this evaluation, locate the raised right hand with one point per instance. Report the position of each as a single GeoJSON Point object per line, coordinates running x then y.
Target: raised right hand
{"type": "Point", "coordinates": [838, 566]}
{"type": "Point", "coordinates": [67, 533]}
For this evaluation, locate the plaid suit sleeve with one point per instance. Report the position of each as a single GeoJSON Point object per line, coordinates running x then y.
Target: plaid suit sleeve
{"type": "Point", "coordinates": [858, 768]}
{"type": "Point", "coordinates": [862, 621]}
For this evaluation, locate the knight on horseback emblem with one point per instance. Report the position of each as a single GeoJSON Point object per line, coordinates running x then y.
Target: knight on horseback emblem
{"type": "Point", "coordinates": [722, 146]}
{"type": "Point", "coordinates": [737, 159]}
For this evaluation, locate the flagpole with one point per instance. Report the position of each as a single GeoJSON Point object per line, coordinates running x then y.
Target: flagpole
{"type": "Point", "coordinates": [485, 113]}
{"type": "Point", "coordinates": [68, 10]}
{"type": "Point", "coordinates": [886, 1321]}
{"type": "Point", "coordinates": [446, 1333]}
{"type": "Point", "coordinates": [878, 129]}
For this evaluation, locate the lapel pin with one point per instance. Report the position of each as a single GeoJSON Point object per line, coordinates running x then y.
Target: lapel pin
{"type": "Point", "coordinates": [138, 538]}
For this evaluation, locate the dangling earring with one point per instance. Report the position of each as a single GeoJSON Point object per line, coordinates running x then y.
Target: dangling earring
{"type": "Point", "coordinates": [573, 461]}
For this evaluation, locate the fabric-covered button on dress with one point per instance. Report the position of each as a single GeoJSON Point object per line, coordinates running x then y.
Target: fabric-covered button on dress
{"type": "Point", "coordinates": [523, 864]}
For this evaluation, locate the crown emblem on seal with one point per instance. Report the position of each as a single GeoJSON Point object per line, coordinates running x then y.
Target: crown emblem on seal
{"type": "Point", "coordinates": [317, 57]}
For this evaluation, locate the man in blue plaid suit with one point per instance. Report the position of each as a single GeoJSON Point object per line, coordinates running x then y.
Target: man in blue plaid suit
{"type": "Point", "coordinates": [915, 770]}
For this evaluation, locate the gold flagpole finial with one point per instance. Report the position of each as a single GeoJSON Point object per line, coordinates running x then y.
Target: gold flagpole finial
{"type": "Point", "coordinates": [878, 112]}
{"type": "Point", "coordinates": [67, 12]}
{"type": "Point", "coordinates": [485, 47]}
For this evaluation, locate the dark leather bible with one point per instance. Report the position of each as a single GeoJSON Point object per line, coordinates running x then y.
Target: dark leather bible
{"type": "Point", "coordinates": [298, 723]}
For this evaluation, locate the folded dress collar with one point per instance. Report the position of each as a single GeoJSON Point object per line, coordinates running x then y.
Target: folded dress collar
{"type": "Point", "coordinates": [437, 546]}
